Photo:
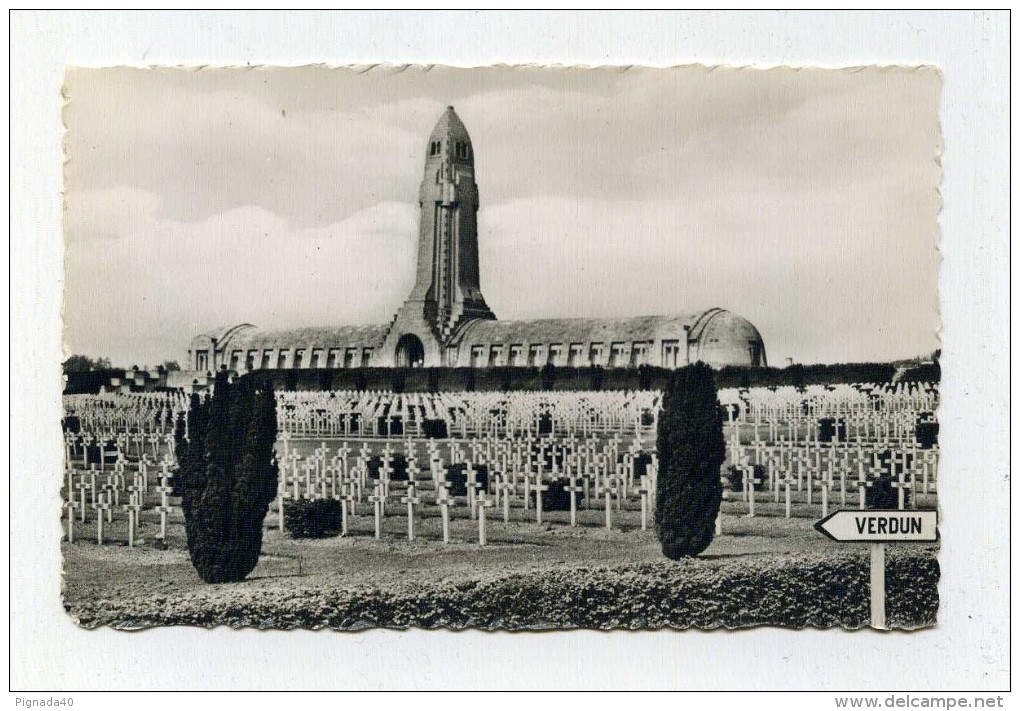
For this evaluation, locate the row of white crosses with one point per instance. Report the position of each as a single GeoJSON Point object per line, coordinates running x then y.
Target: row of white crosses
{"type": "Point", "coordinates": [106, 492]}
{"type": "Point", "coordinates": [343, 475]}
{"type": "Point", "coordinates": [779, 429]}
{"type": "Point", "coordinates": [124, 443]}
{"type": "Point", "coordinates": [838, 466]}
{"type": "Point", "coordinates": [469, 414]}
{"type": "Point", "coordinates": [144, 413]}
{"type": "Point", "coordinates": [877, 413]}
{"type": "Point", "coordinates": [115, 446]}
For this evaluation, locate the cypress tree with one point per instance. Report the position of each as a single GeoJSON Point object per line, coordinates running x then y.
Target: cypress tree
{"type": "Point", "coordinates": [228, 477]}
{"type": "Point", "coordinates": [691, 452]}
{"type": "Point", "coordinates": [548, 376]}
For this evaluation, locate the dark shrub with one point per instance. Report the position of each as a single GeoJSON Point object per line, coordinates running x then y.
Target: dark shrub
{"type": "Point", "coordinates": [883, 495]}
{"type": "Point", "coordinates": [556, 497]}
{"type": "Point", "coordinates": [497, 416]}
{"type": "Point", "coordinates": [506, 378]}
{"type": "Point", "coordinates": [647, 418]}
{"type": "Point", "coordinates": [360, 379]}
{"type": "Point", "coordinates": [924, 373]}
{"type": "Point", "coordinates": [831, 429]}
{"type": "Point", "coordinates": [456, 477]}
{"type": "Point", "coordinates": [735, 476]}
{"type": "Point", "coordinates": [728, 411]}
{"type": "Point", "coordinates": [642, 462]}
{"type": "Point", "coordinates": [320, 518]}
{"type": "Point", "coordinates": [398, 465]}
{"type": "Point", "coordinates": [796, 375]}
{"type": "Point", "coordinates": [645, 377]}
{"type": "Point", "coordinates": [548, 376]}
{"type": "Point", "coordinates": [691, 451]}
{"type": "Point", "coordinates": [228, 476]}
{"type": "Point", "coordinates": [325, 380]}
{"type": "Point", "coordinates": [927, 433]}
{"type": "Point", "coordinates": [399, 382]}
{"type": "Point", "coordinates": [435, 429]}
{"type": "Point", "coordinates": [355, 419]}
{"type": "Point", "coordinates": [545, 423]}
{"type": "Point", "coordinates": [549, 457]}
{"type": "Point", "coordinates": [71, 423]}
{"type": "Point", "coordinates": [392, 426]}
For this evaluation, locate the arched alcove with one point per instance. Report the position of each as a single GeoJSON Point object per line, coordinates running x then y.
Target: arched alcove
{"type": "Point", "coordinates": [410, 352]}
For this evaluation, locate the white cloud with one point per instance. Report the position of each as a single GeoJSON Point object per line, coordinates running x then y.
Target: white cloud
{"type": "Point", "coordinates": [805, 200]}
{"type": "Point", "coordinates": [161, 283]}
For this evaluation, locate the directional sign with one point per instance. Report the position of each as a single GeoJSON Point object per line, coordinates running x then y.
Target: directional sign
{"type": "Point", "coordinates": [880, 526]}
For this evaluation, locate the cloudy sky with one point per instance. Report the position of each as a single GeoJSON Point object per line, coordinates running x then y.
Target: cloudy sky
{"type": "Point", "coordinates": [805, 201]}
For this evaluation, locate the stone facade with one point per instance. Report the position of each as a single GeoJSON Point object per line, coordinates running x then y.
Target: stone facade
{"type": "Point", "coordinates": [446, 322]}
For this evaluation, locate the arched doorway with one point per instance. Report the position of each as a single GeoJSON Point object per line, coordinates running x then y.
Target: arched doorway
{"type": "Point", "coordinates": [410, 351]}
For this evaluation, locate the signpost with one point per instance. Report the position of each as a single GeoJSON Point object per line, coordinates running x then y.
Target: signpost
{"type": "Point", "coordinates": [878, 527]}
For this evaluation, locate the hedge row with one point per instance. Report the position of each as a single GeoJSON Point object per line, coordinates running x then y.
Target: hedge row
{"type": "Point", "coordinates": [507, 378]}
{"type": "Point", "coordinates": [827, 589]}
{"type": "Point", "coordinates": [90, 382]}
{"type": "Point", "coordinates": [504, 378]}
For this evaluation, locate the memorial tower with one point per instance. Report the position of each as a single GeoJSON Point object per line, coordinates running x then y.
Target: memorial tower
{"type": "Point", "coordinates": [446, 291]}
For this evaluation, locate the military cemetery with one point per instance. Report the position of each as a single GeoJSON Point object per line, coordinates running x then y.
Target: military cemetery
{"type": "Point", "coordinates": [575, 472]}
{"type": "Point", "coordinates": [450, 468]}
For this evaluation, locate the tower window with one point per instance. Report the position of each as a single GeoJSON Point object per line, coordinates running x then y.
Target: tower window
{"type": "Point", "coordinates": [755, 352]}
{"type": "Point", "coordinates": [574, 359]}
{"type": "Point", "coordinates": [671, 354]}
{"type": "Point", "coordinates": [616, 355]}
{"type": "Point", "coordinates": [460, 150]}
{"type": "Point", "coordinates": [434, 148]}
{"type": "Point", "coordinates": [639, 353]}
{"type": "Point", "coordinates": [495, 356]}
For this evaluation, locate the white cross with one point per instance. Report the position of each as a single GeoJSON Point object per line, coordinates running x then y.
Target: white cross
{"type": "Point", "coordinates": [378, 499]}
{"type": "Point", "coordinates": [750, 482]}
{"type": "Point", "coordinates": [483, 502]}
{"type": "Point", "coordinates": [606, 490]}
{"type": "Point", "coordinates": [101, 506]}
{"type": "Point", "coordinates": [133, 508]}
{"type": "Point", "coordinates": [445, 501]}
{"type": "Point", "coordinates": [411, 500]}
{"type": "Point", "coordinates": [83, 486]}
{"type": "Point", "coordinates": [574, 490]}
{"type": "Point", "coordinates": [643, 492]}
{"type": "Point", "coordinates": [70, 520]}
{"type": "Point", "coordinates": [539, 487]}
{"type": "Point", "coordinates": [346, 508]}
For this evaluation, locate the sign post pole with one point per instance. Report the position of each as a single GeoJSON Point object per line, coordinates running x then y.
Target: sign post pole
{"type": "Point", "coordinates": [876, 528]}
{"type": "Point", "coordinates": [878, 586]}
